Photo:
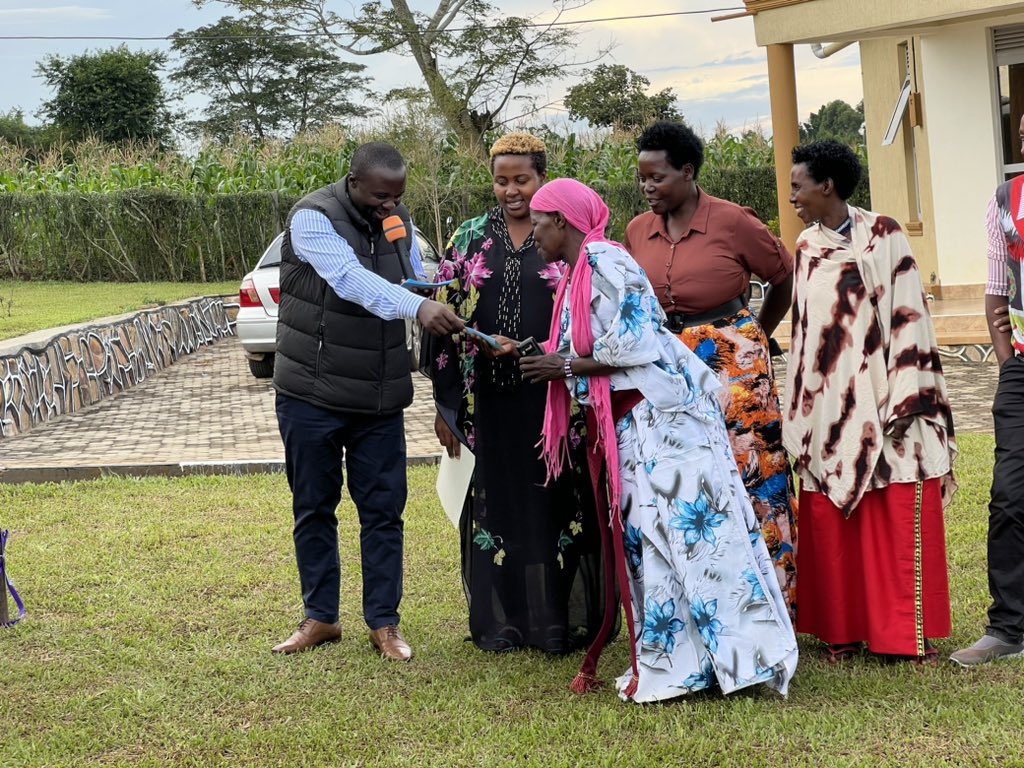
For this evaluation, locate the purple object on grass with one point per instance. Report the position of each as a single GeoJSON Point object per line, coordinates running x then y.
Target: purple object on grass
{"type": "Point", "coordinates": [6, 585]}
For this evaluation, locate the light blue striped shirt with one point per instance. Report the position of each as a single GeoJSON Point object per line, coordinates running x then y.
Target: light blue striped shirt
{"type": "Point", "coordinates": [315, 241]}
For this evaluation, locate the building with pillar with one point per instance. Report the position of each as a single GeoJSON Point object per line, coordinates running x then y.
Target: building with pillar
{"type": "Point", "coordinates": [943, 99]}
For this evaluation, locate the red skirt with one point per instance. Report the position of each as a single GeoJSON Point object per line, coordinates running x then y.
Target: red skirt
{"type": "Point", "coordinates": [878, 576]}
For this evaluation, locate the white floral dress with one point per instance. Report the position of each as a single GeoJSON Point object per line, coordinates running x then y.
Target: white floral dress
{"type": "Point", "coordinates": [707, 605]}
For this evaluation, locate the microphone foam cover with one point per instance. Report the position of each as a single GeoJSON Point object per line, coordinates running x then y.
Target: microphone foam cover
{"type": "Point", "coordinates": [394, 228]}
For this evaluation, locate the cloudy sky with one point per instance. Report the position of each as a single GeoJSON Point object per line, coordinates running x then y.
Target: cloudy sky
{"type": "Point", "coordinates": [716, 69]}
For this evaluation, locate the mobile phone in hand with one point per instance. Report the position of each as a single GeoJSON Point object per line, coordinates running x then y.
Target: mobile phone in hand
{"type": "Point", "coordinates": [529, 348]}
{"type": "Point", "coordinates": [412, 284]}
{"type": "Point", "coordinates": [489, 340]}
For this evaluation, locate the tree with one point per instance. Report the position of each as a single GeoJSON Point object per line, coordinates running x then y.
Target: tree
{"type": "Point", "coordinates": [14, 130]}
{"type": "Point", "coordinates": [115, 95]}
{"type": "Point", "coordinates": [835, 120]}
{"type": "Point", "coordinates": [263, 83]}
{"type": "Point", "coordinates": [613, 94]}
{"type": "Point", "coordinates": [35, 140]}
{"type": "Point", "coordinates": [474, 62]}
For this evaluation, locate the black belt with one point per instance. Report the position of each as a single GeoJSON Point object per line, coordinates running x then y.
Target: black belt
{"type": "Point", "coordinates": [677, 321]}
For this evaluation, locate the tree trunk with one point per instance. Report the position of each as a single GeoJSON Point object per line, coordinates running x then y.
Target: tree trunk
{"type": "Point", "coordinates": [455, 113]}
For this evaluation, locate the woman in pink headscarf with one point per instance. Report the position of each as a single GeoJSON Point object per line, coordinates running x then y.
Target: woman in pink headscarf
{"type": "Point", "coordinates": [706, 609]}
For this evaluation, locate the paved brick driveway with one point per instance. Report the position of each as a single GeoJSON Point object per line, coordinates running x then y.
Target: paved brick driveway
{"type": "Point", "coordinates": [208, 414]}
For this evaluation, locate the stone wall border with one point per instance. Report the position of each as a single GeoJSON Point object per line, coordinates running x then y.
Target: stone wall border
{"type": "Point", "coordinates": [60, 372]}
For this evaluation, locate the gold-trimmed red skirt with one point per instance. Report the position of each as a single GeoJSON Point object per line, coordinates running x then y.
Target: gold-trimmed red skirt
{"type": "Point", "coordinates": [879, 576]}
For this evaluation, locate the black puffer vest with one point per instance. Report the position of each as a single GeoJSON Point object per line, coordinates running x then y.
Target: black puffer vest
{"type": "Point", "coordinates": [333, 353]}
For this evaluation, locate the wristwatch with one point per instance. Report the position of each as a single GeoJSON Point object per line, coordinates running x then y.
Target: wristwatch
{"type": "Point", "coordinates": [568, 367]}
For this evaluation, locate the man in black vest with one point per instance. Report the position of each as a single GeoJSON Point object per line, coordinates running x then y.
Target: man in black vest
{"type": "Point", "coordinates": [342, 377]}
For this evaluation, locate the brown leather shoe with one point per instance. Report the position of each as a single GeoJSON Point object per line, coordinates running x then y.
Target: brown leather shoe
{"type": "Point", "coordinates": [309, 635]}
{"type": "Point", "coordinates": [390, 643]}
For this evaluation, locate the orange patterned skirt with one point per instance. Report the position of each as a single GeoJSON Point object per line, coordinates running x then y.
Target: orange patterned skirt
{"type": "Point", "coordinates": [736, 348]}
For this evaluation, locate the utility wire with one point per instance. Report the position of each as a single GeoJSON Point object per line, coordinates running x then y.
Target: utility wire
{"type": "Point", "coordinates": [119, 38]}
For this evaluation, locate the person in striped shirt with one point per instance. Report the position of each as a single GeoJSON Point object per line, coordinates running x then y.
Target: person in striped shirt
{"type": "Point", "coordinates": [1004, 633]}
{"type": "Point", "coordinates": [342, 375]}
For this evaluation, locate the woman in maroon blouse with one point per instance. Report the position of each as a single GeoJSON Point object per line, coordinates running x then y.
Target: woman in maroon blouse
{"type": "Point", "coordinates": [699, 253]}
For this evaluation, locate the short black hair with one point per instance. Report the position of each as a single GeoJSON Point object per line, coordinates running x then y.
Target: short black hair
{"type": "Point", "coordinates": [830, 159]}
{"type": "Point", "coordinates": [680, 144]}
{"type": "Point", "coordinates": [376, 154]}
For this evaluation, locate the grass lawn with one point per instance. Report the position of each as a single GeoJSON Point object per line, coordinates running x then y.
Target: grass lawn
{"type": "Point", "coordinates": [26, 306]}
{"type": "Point", "coordinates": [153, 605]}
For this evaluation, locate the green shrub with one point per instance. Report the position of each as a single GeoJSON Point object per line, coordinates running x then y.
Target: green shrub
{"type": "Point", "coordinates": [137, 235]}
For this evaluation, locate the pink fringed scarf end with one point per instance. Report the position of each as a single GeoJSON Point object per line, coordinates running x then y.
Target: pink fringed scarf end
{"type": "Point", "coordinates": [607, 443]}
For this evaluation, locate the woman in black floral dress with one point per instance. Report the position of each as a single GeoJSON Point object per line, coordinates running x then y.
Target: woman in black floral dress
{"type": "Point", "coordinates": [530, 552]}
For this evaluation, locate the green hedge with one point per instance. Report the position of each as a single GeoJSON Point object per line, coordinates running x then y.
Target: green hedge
{"type": "Point", "coordinates": [148, 235]}
{"type": "Point", "coordinates": [141, 235]}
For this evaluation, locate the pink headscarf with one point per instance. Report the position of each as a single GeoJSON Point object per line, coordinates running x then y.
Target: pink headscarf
{"type": "Point", "coordinates": [584, 209]}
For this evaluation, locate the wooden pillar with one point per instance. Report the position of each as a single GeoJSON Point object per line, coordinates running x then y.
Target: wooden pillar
{"type": "Point", "coordinates": [785, 134]}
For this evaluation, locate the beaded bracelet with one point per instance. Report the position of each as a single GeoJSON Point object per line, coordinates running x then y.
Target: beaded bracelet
{"type": "Point", "coordinates": [568, 367]}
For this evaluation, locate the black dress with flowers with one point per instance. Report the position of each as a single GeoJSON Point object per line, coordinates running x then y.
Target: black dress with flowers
{"type": "Point", "coordinates": [531, 562]}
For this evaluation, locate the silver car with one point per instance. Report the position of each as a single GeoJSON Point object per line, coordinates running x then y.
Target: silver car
{"type": "Point", "coordinates": [260, 295]}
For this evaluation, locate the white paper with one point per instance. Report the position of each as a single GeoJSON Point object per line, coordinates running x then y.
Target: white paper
{"type": "Point", "coordinates": [453, 479]}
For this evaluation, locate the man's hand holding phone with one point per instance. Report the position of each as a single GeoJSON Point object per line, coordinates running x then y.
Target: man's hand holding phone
{"type": "Point", "coordinates": [438, 318]}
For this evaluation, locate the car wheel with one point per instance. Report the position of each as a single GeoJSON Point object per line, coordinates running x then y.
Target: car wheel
{"type": "Point", "coordinates": [262, 369]}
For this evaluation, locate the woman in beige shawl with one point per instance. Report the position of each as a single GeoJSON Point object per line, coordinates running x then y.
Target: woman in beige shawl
{"type": "Point", "coordinates": [868, 423]}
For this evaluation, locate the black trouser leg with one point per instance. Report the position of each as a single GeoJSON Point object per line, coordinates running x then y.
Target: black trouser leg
{"type": "Point", "coordinates": [376, 464]}
{"type": "Point", "coordinates": [313, 454]}
{"type": "Point", "coordinates": [1006, 508]}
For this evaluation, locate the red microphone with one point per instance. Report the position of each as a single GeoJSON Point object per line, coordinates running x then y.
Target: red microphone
{"type": "Point", "coordinates": [396, 233]}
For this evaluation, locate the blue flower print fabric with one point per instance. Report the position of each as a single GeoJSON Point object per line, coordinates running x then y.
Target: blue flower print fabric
{"type": "Point", "coordinates": [708, 610]}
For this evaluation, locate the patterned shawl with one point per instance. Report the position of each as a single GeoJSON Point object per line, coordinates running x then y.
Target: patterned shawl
{"type": "Point", "coordinates": [863, 354]}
